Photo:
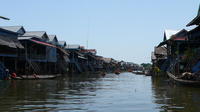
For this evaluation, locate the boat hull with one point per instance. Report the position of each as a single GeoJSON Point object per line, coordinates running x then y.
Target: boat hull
{"type": "Point", "coordinates": [182, 81]}
{"type": "Point", "coordinates": [38, 77]}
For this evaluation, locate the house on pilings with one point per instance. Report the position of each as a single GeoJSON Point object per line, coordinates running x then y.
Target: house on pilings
{"type": "Point", "coordinates": [9, 51]}
{"type": "Point", "coordinates": [39, 56]}
{"type": "Point", "coordinates": [94, 62]}
{"type": "Point", "coordinates": [63, 57]}
{"type": "Point", "coordinates": [109, 64]}
{"type": "Point", "coordinates": [183, 48]}
{"type": "Point", "coordinates": [77, 59]}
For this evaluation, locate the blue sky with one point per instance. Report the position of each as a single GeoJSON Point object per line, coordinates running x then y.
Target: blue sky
{"type": "Point", "coordinates": [123, 29]}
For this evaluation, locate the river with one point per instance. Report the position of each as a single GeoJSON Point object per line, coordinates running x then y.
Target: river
{"type": "Point", "coordinates": [126, 92]}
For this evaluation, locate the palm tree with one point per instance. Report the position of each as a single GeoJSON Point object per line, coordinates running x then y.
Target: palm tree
{"type": "Point", "coordinates": [1, 17]}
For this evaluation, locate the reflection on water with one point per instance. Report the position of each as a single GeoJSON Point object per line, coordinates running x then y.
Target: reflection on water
{"type": "Point", "coordinates": [124, 93]}
{"type": "Point", "coordinates": [175, 98]}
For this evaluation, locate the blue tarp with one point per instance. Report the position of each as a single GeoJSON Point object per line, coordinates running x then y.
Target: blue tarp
{"type": "Point", "coordinates": [3, 73]}
{"type": "Point", "coordinates": [51, 53]}
{"type": "Point", "coordinates": [196, 68]}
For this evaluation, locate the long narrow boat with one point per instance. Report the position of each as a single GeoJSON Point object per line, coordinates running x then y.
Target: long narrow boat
{"type": "Point", "coordinates": [183, 81]}
{"type": "Point", "coordinates": [138, 72]}
{"type": "Point", "coordinates": [31, 77]}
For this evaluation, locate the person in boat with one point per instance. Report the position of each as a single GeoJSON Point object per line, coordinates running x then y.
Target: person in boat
{"type": "Point", "coordinates": [7, 74]}
{"type": "Point", "coordinates": [13, 75]}
{"type": "Point", "coordinates": [35, 76]}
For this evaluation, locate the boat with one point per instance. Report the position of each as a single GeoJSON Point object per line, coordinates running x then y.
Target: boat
{"type": "Point", "coordinates": [117, 71]}
{"type": "Point", "coordinates": [36, 77]}
{"type": "Point", "coordinates": [147, 73]}
{"type": "Point", "coordinates": [183, 81]}
{"type": "Point", "coordinates": [130, 70]}
{"type": "Point", "coordinates": [138, 72]}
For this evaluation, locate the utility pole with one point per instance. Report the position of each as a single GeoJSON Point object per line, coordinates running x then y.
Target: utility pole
{"type": "Point", "coordinates": [88, 33]}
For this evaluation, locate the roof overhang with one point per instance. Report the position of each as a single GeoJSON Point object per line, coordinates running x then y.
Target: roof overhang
{"type": "Point", "coordinates": [195, 21]}
{"type": "Point", "coordinates": [10, 42]}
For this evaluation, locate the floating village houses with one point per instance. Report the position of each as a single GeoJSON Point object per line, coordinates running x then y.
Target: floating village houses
{"type": "Point", "coordinates": [180, 51]}
{"type": "Point", "coordinates": [27, 53]}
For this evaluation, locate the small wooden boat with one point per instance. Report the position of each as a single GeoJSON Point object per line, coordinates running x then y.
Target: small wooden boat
{"type": "Point", "coordinates": [182, 81]}
{"type": "Point", "coordinates": [138, 72]}
{"type": "Point", "coordinates": [32, 77]}
{"type": "Point", "coordinates": [103, 74]}
{"type": "Point", "coordinates": [130, 70]}
{"type": "Point", "coordinates": [117, 72]}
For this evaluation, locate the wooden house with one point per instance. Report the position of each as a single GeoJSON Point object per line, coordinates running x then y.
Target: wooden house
{"type": "Point", "coordinates": [108, 64]}
{"type": "Point", "coordinates": [94, 62]}
{"type": "Point", "coordinates": [39, 55]}
{"type": "Point", "coordinates": [176, 45]}
{"type": "Point", "coordinates": [9, 50]}
{"type": "Point", "coordinates": [77, 59]}
{"type": "Point", "coordinates": [38, 34]}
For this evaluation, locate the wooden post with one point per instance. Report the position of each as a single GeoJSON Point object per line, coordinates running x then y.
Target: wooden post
{"type": "Point", "coordinates": [15, 65]}
{"type": "Point", "coordinates": [178, 48]}
{"type": "Point", "coordinates": [26, 57]}
{"type": "Point", "coordinates": [55, 71]}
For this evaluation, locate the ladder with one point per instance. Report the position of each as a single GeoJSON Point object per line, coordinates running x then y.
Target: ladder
{"type": "Point", "coordinates": [34, 66]}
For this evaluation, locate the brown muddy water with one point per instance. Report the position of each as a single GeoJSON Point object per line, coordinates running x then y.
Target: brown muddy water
{"type": "Point", "coordinates": [126, 92]}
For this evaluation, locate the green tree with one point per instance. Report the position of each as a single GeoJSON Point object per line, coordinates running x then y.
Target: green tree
{"type": "Point", "coordinates": [146, 66]}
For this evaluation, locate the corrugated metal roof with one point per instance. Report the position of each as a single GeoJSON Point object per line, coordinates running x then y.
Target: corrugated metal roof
{"type": "Point", "coordinates": [12, 28]}
{"type": "Point", "coordinates": [52, 37]}
{"type": "Point", "coordinates": [169, 33]}
{"type": "Point", "coordinates": [63, 43]}
{"type": "Point", "coordinates": [153, 57]}
{"type": "Point", "coordinates": [8, 31]}
{"type": "Point", "coordinates": [196, 20]}
{"type": "Point", "coordinates": [24, 38]}
{"type": "Point", "coordinates": [72, 46]}
{"type": "Point", "coordinates": [160, 51]}
{"type": "Point", "coordinates": [35, 33]}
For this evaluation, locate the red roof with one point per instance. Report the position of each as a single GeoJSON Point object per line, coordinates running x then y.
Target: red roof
{"type": "Point", "coordinates": [42, 43]}
{"type": "Point", "coordinates": [180, 38]}
{"type": "Point", "coordinates": [89, 50]}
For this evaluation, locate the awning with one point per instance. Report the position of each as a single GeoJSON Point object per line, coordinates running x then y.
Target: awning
{"type": "Point", "coordinates": [62, 50]}
{"type": "Point", "coordinates": [10, 42]}
{"type": "Point", "coordinates": [82, 57]}
{"type": "Point", "coordinates": [42, 43]}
